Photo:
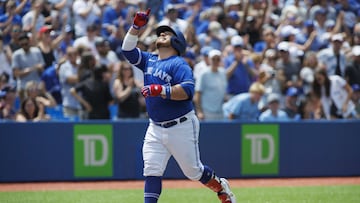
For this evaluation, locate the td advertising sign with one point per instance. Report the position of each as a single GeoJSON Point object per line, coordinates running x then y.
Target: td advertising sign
{"type": "Point", "coordinates": [260, 149]}
{"type": "Point", "coordinates": [93, 150]}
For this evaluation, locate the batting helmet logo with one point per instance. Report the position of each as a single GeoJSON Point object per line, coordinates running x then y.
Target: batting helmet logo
{"type": "Point", "coordinates": [178, 41]}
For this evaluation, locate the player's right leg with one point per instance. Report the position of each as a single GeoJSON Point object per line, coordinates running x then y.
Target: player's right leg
{"type": "Point", "coordinates": [155, 157]}
{"type": "Point", "coordinates": [218, 185]}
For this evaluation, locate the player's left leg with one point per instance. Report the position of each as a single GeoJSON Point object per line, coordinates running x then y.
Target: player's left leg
{"type": "Point", "coordinates": [183, 145]}
{"type": "Point", "coordinates": [218, 185]}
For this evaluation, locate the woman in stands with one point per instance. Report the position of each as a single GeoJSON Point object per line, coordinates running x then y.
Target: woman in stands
{"type": "Point", "coordinates": [31, 111]}
{"type": "Point", "coordinates": [127, 92]}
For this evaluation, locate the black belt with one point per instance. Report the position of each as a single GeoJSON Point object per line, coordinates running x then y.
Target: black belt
{"type": "Point", "coordinates": [171, 123]}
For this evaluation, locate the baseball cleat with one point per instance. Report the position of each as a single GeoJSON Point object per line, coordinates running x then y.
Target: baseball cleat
{"type": "Point", "coordinates": [225, 195]}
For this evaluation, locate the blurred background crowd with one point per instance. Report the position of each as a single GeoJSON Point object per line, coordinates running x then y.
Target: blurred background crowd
{"type": "Point", "coordinates": [256, 60]}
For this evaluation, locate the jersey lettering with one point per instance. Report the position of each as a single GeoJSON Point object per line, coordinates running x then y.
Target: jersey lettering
{"type": "Point", "coordinates": [162, 75]}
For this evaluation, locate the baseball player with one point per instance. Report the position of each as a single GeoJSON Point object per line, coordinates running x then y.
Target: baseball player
{"type": "Point", "coordinates": [174, 128]}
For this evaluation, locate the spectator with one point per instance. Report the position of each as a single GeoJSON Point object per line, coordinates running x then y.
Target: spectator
{"type": "Point", "coordinates": [127, 93]}
{"type": "Point", "coordinates": [50, 77]}
{"type": "Point", "coordinates": [352, 71]}
{"type": "Point", "coordinates": [268, 75]}
{"type": "Point", "coordinates": [356, 34]}
{"type": "Point", "coordinates": [204, 62]}
{"type": "Point", "coordinates": [310, 63]}
{"type": "Point", "coordinates": [291, 106]}
{"type": "Point", "coordinates": [15, 32]}
{"type": "Point", "coordinates": [68, 77]}
{"type": "Point", "coordinates": [31, 111]}
{"type": "Point", "coordinates": [8, 19]}
{"type": "Point", "coordinates": [5, 58]}
{"type": "Point", "coordinates": [94, 94]}
{"type": "Point", "coordinates": [87, 65]}
{"type": "Point", "coordinates": [38, 92]}
{"type": "Point", "coordinates": [34, 19]}
{"type": "Point", "coordinates": [63, 8]}
{"type": "Point", "coordinates": [192, 40]}
{"type": "Point", "coordinates": [7, 103]}
{"type": "Point", "coordinates": [308, 108]}
{"type": "Point", "coordinates": [4, 80]}
{"type": "Point", "coordinates": [113, 15]}
{"type": "Point", "coordinates": [268, 40]}
{"type": "Point", "coordinates": [67, 41]}
{"type": "Point", "coordinates": [89, 39]}
{"type": "Point", "coordinates": [273, 113]}
{"type": "Point", "coordinates": [244, 106]}
{"type": "Point", "coordinates": [239, 68]}
{"type": "Point", "coordinates": [356, 99]}
{"type": "Point", "coordinates": [333, 58]}
{"type": "Point", "coordinates": [172, 19]}
{"type": "Point", "coordinates": [105, 56]}
{"type": "Point", "coordinates": [288, 66]}
{"type": "Point", "coordinates": [210, 89]}
{"type": "Point", "coordinates": [334, 95]}
{"type": "Point", "coordinates": [27, 64]}
{"type": "Point", "coordinates": [48, 44]}
{"type": "Point", "coordinates": [213, 36]}
{"type": "Point", "coordinates": [86, 13]}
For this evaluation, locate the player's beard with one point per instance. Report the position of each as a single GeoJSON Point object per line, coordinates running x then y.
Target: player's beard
{"type": "Point", "coordinates": [163, 44]}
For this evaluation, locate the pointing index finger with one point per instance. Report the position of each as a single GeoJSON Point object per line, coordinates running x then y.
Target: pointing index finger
{"type": "Point", "coordinates": [148, 11]}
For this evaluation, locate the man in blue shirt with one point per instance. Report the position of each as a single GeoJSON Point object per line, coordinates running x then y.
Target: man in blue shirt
{"type": "Point", "coordinates": [244, 106]}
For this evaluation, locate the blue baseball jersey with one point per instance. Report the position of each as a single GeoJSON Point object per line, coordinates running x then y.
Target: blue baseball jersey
{"type": "Point", "coordinates": [170, 71]}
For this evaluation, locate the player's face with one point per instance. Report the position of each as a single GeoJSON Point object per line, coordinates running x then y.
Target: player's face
{"type": "Point", "coordinates": [164, 40]}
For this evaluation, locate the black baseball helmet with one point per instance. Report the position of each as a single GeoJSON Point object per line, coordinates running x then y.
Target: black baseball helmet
{"type": "Point", "coordinates": [178, 41]}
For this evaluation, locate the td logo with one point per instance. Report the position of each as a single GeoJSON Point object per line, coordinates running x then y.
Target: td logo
{"type": "Point", "coordinates": [93, 151]}
{"type": "Point", "coordinates": [260, 149]}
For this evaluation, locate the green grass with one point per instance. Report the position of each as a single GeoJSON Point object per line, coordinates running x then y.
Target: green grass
{"type": "Point", "coordinates": [316, 194]}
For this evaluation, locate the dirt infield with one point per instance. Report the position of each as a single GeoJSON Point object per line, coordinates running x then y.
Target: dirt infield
{"type": "Point", "coordinates": [106, 185]}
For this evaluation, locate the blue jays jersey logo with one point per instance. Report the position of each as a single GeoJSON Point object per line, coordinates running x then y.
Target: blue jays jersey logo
{"type": "Point", "coordinates": [157, 69]}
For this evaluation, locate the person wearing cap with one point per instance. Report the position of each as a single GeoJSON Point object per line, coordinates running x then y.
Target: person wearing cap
{"type": "Point", "coordinates": [245, 106]}
{"type": "Point", "coordinates": [210, 89]}
{"type": "Point", "coordinates": [287, 67]}
{"type": "Point", "coordinates": [352, 71]}
{"type": "Point", "coordinates": [291, 104]}
{"type": "Point", "coordinates": [48, 45]}
{"type": "Point", "coordinates": [240, 69]}
{"type": "Point", "coordinates": [105, 55]}
{"type": "Point", "coordinates": [204, 62]}
{"type": "Point", "coordinates": [273, 113]}
{"type": "Point", "coordinates": [169, 89]}
{"type": "Point", "coordinates": [27, 64]}
{"type": "Point", "coordinates": [333, 57]}
{"type": "Point", "coordinates": [67, 41]}
{"type": "Point", "coordinates": [213, 36]}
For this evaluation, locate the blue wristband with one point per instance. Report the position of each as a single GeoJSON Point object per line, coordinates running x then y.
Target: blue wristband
{"type": "Point", "coordinates": [136, 27]}
{"type": "Point", "coordinates": [168, 91]}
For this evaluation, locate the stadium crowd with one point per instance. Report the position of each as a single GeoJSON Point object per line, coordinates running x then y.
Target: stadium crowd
{"type": "Point", "coordinates": [257, 60]}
